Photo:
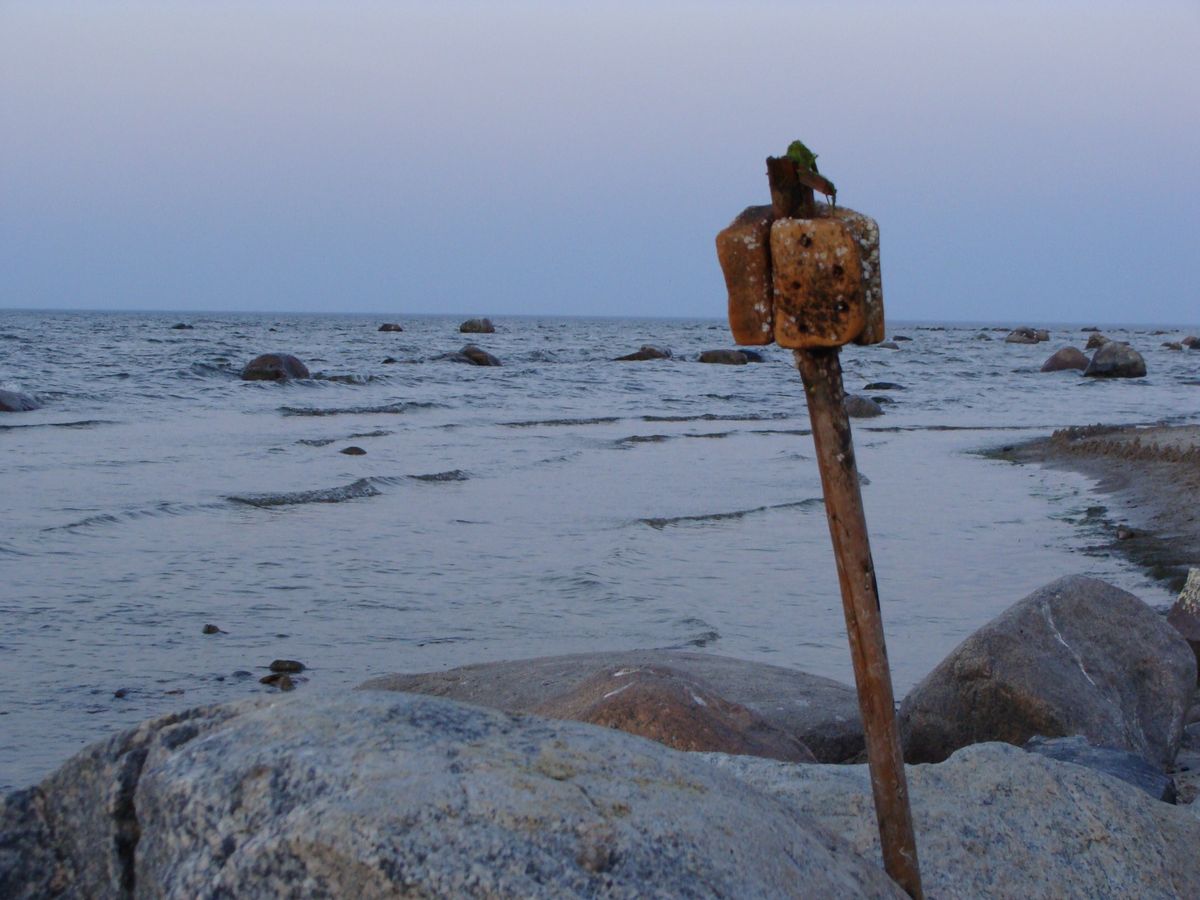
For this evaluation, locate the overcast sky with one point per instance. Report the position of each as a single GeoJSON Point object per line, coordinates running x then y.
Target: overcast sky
{"type": "Point", "coordinates": [1026, 161]}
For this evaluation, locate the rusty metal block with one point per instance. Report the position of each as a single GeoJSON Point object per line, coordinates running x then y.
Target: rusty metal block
{"type": "Point", "coordinates": [744, 250]}
{"type": "Point", "coordinates": [866, 235]}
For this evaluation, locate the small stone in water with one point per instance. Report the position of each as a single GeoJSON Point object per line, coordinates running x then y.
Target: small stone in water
{"type": "Point", "coordinates": [286, 665]}
{"type": "Point", "coordinates": [242, 673]}
{"type": "Point", "coordinates": [212, 629]}
{"type": "Point", "coordinates": [353, 451]}
{"type": "Point", "coordinates": [120, 693]}
{"type": "Point", "coordinates": [280, 680]}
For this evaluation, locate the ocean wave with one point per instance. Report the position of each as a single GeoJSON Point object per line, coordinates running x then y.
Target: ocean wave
{"type": "Point", "coordinates": [85, 423]}
{"type": "Point", "coordinates": [213, 370]}
{"type": "Point", "coordinates": [163, 508]}
{"type": "Point", "coordinates": [660, 438]}
{"type": "Point", "coordinates": [385, 409]}
{"type": "Point", "coordinates": [533, 423]}
{"type": "Point", "coordinates": [452, 475]}
{"type": "Point", "coordinates": [714, 417]}
{"type": "Point", "coordinates": [661, 523]}
{"type": "Point", "coordinates": [356, 490]}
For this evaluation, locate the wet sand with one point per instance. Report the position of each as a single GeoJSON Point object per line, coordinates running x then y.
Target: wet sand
{"type": "Point", "coordinates": [1152, 478]}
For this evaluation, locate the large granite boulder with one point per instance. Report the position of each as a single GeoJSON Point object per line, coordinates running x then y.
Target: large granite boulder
{"type": "Point", "coordinates": [1116, 360]}
{"type": "Point", "coordinates": [647, 351]}
{"type": "Point", "coordinates": [820, 713]}
{"type": "Point", "coordinates": [995, 821]}
{"type": "Point", "coordinates": [673, 708]}
{"type": "Point", "coordinates": [1121, 764]}
{"type": "Point", "coordinates": [1184, 615]}
{"type": "Point", "coordinates": [379, 795]}
{"type": "Point", "coordinates": [1066, 358]}
{"type": "Point", "coordinates": [274, 367]}
{"type": "Point", "coordinates": [15, 401]}
{"type": "Point", "coordinates": [477, 326]}
{"type": "Point", "coordinates": [1077, 656]}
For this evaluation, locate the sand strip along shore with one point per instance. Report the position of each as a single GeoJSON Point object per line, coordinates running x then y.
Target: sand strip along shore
{"type": "Point", "coordinates": [1152, 475]}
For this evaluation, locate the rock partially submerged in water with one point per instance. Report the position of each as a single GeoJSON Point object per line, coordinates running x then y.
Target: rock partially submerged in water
{"type": "Point", "coordinates": [1027, 336]}
{"type": "Point", "coordinates": [473, 355]}
{"type": "Point", "coordinates": [860, 407]}
{"type": "Point", "coordinates": [477, 326]}
{"type": "Point", "coordinates": [995, 821]}
{"type": "Point", "coordinates": [16, 401]}
{"type": "Point", "coordinates": [390, 326]}
{"type": "Point", "coordinates": [647, 351]}
{"type": "Point", "coordinates": [820, 713]}
{"type": "Point", "coordinates": [274, 367]}
{"type": "Point", "coordinates": [1066, 358]}
{"type": "Point", "coordinates": [724, 357]}
{"type": "Point", "coordinates": [378, 795]}
{"type": "Point", "coordinates": [673, 708]}
{"type": "Point", "coordinates": [1116, 360]}
{"type": "Point", "coordinates": [1078, 656]}
{"type": "Point", "coordinates": [1096, 340]}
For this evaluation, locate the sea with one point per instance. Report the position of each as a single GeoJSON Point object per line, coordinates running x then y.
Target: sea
{"type": "Point", "coordinates": [562, 502]}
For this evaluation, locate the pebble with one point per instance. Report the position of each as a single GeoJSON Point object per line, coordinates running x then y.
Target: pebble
{"type": "Point", "coordinates": [286, 665]}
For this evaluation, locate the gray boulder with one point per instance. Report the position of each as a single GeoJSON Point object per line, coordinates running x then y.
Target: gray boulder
{"type": "Point", "coordinates": [15, 401]}
{"type": "Point", "coordinates": [860, 407]}
{"type": "Point", "coordinates": [476, 356]}
{"type": "Point", "coordinates": [1116, 360]}
{"type": "Point", "coordinates": [391, 326]}
{"type": "Point", "coordinates": [724, 357]}
{"type": "Point", "coordinates": [1128, 767]}
{"type": "Point", "coordinates": [477, 326]}
{"type": "Point", "coordinates": [1023, 336]}
{"type": "Point", "coordinates": [1066, 358]}
{"type": "Point", "coordinates": [647, 351]}
{"type": "Point", "coordinates": [1077, 656]}
{"type": "Point", "coordinates": [377, 795]}
{"type": "Point", "coordinates": [995, 821]}
{"type": "Point", "coordinates": [274, 367]}
{"type": "Point", "coordinates": [819, 712]}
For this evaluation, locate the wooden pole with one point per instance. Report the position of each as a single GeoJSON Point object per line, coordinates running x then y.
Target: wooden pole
{"type": "Point", "coordinates": [821, 371]}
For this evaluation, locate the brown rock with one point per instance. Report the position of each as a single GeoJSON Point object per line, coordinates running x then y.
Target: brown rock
{"type": "Point", "coordinates": [1077, 656]}
{"type": "Point", "coordinates": [819, 712]}
{"type": "Point", "coordinates": [1022, 336]}
{"type": "Point", "coordinates": [477, 356]}
{"type": "Point", "coordinates": [1066, 358]}
{"type": "Point", "coordinates": [274, 367]}
{"type": "Point", "coordinates": [1096, 340]}
{"type": "Point", "coordinates": [744, 251]}
{"type": "Point", "coordinates": [647, 351]}
{"type": "Point", "coordinates": [675, 709]}
{"type": "Point", "coordinates": [391, 326]}
{"type": "Point", "coordinates": [724, 357]}
{"type": "Point", "coordinates": [286, 665]}
{"type": "Point", "coordinates": [477, 326]}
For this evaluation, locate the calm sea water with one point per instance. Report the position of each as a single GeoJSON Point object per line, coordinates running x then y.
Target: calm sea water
{"type": "Point", "coordinates": [560, 503]}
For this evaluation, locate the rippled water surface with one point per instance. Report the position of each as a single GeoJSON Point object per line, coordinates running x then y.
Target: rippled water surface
{"type": "Point", "coordinates": [562, 502]}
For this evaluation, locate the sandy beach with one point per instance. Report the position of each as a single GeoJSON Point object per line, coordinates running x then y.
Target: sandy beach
{"type": "Point", "coordinates": [1151, 476]}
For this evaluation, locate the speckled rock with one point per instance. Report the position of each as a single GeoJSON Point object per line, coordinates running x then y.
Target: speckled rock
{"type": "Point", "coordinates": [1184, 616]}
{"type": "Point", "coordinates": [1128, 767]}
{"type": "Point", "coordinates": [1066, 358]}
{"type": "Point", "coordinates": [383, 795]}
{"type": "Point", "coordinates": [819, 712]}
{"type": "Point", "coordinates": [274, 367]}
{"type": "Point", "coordinates": [860, 407]}
{"type": "Point", "coordinates": [1116, 360]}
{"type": "Point", "coordinates": [995, 821]}
{"type": "Point", "coordinates": [673, 708]}
{"type": "Point", "coordinates": [15, 401]}
{"type": "Point", "coordinates": [647, 351]}
{"type": "Point", "coordinates": [1078, 656]}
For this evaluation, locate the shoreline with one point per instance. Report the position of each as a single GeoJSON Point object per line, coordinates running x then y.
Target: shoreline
{"type": "Point", "coordinates": [1151, 476]}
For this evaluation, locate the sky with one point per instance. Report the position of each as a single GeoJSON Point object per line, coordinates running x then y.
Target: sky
{"type": "Point", "coordinates": [1027, 162]}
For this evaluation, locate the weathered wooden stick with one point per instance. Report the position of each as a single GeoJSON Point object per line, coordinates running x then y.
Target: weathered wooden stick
{"type": "Point", "coordinates": [821, 370]}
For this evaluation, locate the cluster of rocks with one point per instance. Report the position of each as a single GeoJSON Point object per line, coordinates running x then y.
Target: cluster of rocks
{"type": "Point", "coordinates": [1112, 359]}
{"type": "Point", "coordinates": [1045, 736]}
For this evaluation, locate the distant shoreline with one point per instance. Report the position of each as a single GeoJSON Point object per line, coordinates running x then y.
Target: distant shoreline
{"type": "Point", "coordinates": [1151, 474]}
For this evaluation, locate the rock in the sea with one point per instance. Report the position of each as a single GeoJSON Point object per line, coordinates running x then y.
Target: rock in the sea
{"type": "Point", "coordinates": [1184, 616]}
{"type": "Point", "coordinates": [182, 326]}
{"type": "Point", "coordinates": [377, 795]}
{"type": "Point", "coordinates": [1191, 341]}
{"type": "Point", "coordinates": [477, 326]}
{"type": "Point", "coordinates": [1096, 340]}
{"type": "Point", "coordinates": [274, 367]}
{"type": "Point", "coordinates": [724, 357]}
{"type": "Point", "coordinates": [860, 407]}
{"type": "Point", "coordinates": [1022, 336]}
{"type": "Point", "coordinates": [286, 665]}
{"type": "Point", "coordinates": [476, 356]}
{"type": "Point", "coordinates": [1129, 767]}
{"type": "Point", "coordinates": [391, 326]}
{"type": "Point", "coordinates": [15, 401]}
{"type": "Point", "coordinates": [353, 451]}
{"type": "Point", "coordinates": [1077, 656]}
{"type": "Point", "coordinates": [1066, 358]}
{"type": "Point", "coordinates": [888, 345]}
{"type": "Point", "coordinates": [751, 355]}
{"type": "Point", "coordinates": [883, 386]}
{"type": "Point", "coordinates": [820, 713]}
{"type": "Point", "coordinates": [1116, 360]}
{"type": "Point", "coordinates": [647, 351]}
{"type": "Point", "coordinates": [995, 821]}
{"type": "Point", "coordinates": [1172, 345]}
{"type": "Point", "coordinates": [673, 708]}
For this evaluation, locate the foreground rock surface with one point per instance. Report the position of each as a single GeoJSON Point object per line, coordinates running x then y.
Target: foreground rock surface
{"type": "Point", "coordinates": [1077, 656]}
{"type": "Point", "coordinates": [1128, 767]}
{"type": "Point", "coordinates": [381, 795]}
{"type": "Point", "coordinates": [819, 712]}
{"type": "Point", "coordinates": [995, 821]}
